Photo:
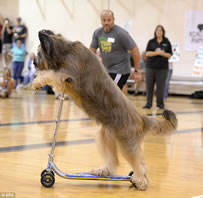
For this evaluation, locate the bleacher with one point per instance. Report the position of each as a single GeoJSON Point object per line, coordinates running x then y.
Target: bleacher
{"type": "Point", "coordinates": [179, 85]}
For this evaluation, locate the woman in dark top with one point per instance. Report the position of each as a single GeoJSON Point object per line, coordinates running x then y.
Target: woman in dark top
{"type": "Point", "coordinates": [158, 52]}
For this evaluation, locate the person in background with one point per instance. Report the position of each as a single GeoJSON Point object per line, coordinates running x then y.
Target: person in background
{"type": "Point", "coordinates": [7, 84]}
{"type": "Point", "coordinates": [31, 73]}
{"type": "Point", "coordinates": [114, 43]}
{"type": "Point", "coordinates": [158, 52]}
{"type": "Point", "coordinates": [170, 72]}
{"type": "Point", "coordinates": [18, 53]}
{"type": "Point", "coordinates": [20, 32]}
{"type": "Point", "coordinates": [7, 35]}
{"type": "Point", "coordinates": [1, 27]}
{"type": "Point", "coordinates": [174, 58]}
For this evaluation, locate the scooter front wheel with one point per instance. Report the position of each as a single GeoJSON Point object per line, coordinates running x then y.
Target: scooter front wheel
{"type": "Point", "coordinates": [47, 180]}
{"type": "Point", "coordinates": [131, 173]}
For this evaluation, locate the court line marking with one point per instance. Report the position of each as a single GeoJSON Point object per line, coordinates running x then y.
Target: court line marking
{"type": "Point", "coordinates": [42, 122]}
{"type": "Point", "coordinates": [72, 142]}
{"type": "Point", "coordinates": [45, 145]}
{"type": "Point", "coordinates": [79, 119]}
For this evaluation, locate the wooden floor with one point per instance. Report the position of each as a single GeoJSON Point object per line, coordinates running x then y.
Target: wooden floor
{"type": "Point", "coordinates": [27, 123]}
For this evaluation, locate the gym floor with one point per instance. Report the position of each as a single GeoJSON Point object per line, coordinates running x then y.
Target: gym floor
{"type": "Point", "coordinates": [27, 123]}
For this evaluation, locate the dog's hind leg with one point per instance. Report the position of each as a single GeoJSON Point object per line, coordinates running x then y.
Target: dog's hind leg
{"type": "Point", "coordinates": [132, 151]}
{"type": "Point", "coordinates": [108, 148]}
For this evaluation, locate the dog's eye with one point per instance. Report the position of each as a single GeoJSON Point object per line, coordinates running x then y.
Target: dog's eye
{"type": "Point", "coordinates": [69, 80]}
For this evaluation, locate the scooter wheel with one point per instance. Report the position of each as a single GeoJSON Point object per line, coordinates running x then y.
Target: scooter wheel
{"type": "Point", "coordinates": [47, 180]}
{"type": "Point", "coordinates": [131, 173]}
{"type": "Point", "coordinates": [45, 171]}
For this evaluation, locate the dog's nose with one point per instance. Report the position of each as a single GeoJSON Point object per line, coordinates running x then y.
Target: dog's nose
{"type": "Point", "coordinates": [34, 62]}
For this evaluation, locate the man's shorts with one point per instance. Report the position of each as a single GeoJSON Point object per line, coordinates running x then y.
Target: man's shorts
{"type": "Point", "coordinates": [119, 79]}
{"type": "Point", "coordinates": [6, 48]}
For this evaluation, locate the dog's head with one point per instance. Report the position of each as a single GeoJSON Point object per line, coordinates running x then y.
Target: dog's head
{"type": "Point", "coordinates": [50, 51]}
{"type": "Point", "coordinates": [62, 56]}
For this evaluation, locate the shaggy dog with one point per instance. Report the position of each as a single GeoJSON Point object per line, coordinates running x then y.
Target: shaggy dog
{"type": "Point", "coordinates": [72, 68]}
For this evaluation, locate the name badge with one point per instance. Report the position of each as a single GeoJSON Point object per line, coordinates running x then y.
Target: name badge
{"type": "Point", "coordinates": [111, 40]}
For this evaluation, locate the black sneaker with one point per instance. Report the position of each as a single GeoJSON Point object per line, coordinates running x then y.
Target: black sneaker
{"type": "Point", "coordinates": [161, 106]}
{"type": "Point", "coordinates": [147, 106]}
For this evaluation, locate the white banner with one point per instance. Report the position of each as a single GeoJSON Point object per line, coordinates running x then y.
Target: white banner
{"type": "Point", "coordinates": [193, 33]}
{"type": "Point", "coordinates": [176, 53]}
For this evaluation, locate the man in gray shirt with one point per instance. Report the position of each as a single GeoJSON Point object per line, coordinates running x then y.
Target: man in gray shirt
{"type": "Point", "coordinates": [114, 43]}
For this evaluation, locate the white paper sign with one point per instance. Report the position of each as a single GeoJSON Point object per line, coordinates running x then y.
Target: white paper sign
{"type": "Point", "coordinates": [198, 66]}
{"type": "Point", "coordinates": [193, 31]}
{"type": "Point", "coordinates": [176, 55]}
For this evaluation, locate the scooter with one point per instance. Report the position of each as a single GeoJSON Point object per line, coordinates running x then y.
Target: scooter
{"type": "Point", "coordinates": [48, 175]}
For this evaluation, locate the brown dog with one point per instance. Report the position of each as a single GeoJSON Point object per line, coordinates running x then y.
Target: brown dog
{"type": "Point", "coordinates": [72, 68]}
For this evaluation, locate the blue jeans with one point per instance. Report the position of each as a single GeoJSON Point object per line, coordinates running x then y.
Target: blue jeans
{"type": "Point", "coordinates": [28, 77]}
{"type": "Point", "coordinates": [170, 72]}
{"type": "Point", "coordinates": [17, 70]}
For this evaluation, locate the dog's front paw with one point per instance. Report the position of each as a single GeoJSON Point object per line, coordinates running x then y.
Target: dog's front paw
{"type": "Point", "coordinates": [36, 85]}
{"type": "Point", "coordinates": [141, 183]}
{"type": "Point", "coordinates": [102, 171]}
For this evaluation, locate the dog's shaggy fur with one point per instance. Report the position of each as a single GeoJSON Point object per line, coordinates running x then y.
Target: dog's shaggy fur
{"type": "Point", "coordinates": [72, 68]}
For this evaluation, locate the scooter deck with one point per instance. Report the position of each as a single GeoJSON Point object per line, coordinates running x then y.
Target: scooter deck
{"type": "Point", "coordinates": [88, 176]}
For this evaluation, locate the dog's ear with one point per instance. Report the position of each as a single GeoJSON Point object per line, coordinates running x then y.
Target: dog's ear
{"type": "Point", "coordinates": [46, 42]}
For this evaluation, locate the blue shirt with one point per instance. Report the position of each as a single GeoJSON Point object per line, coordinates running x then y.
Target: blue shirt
{"type": "Point", "coordinates": [18, 54]}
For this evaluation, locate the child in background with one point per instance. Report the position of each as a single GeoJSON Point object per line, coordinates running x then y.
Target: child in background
{"type": "Point", "coordinates": [7, 84]}
{"type": "Point", "coordinates": [31, 73]}
{"type": "Point", "coordinates": [18, 55]}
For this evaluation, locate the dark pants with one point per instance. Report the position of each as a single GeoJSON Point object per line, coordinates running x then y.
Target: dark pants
{"type": "Point", "coordinates": [158, 77]}
{"type": "Point", "coordinates": [17, 71]}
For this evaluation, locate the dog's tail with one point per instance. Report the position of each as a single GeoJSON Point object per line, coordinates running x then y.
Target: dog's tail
{"type": "Point", "coordinates": [164, 126]}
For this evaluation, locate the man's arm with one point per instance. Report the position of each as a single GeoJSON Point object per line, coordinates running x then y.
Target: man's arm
{"type": "Point", "coordinates": [93, 50]}
{"type": "Point", "coordinates": [136, 58]}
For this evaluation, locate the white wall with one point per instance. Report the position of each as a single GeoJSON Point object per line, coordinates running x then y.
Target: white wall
{"type": "Point", "coordinates": [77, 19]}
{"type": "Point", "coordinates": [9, 8]}
{"type": "Point", "coordinates": [74, 19]}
